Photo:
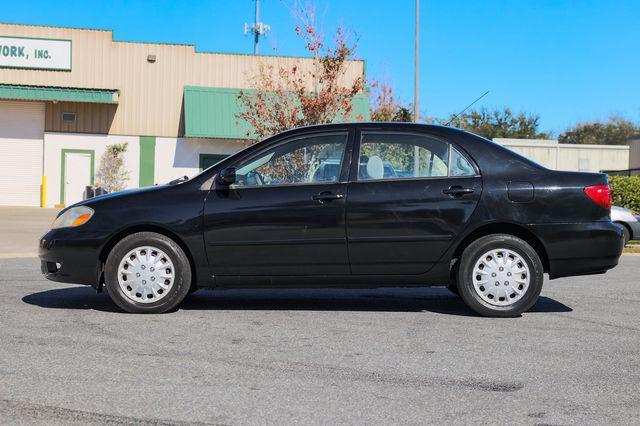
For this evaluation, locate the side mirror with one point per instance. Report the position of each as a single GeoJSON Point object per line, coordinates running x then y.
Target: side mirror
{"type": "Point", "coordinates": [227, 176]}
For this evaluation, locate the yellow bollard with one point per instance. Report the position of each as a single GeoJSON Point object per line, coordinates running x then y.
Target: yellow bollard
{"type": "Point", "coordinates": [43, 192]}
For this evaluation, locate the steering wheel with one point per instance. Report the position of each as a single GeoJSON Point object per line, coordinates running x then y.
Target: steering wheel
{"type": "Point", "coordinates": [252, 178]}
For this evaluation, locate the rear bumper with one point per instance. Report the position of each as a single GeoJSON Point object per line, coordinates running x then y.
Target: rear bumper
{"type": "Point", "coordinates": [66, 258]}
{"type": "Point", "coordinates": [581, 248]}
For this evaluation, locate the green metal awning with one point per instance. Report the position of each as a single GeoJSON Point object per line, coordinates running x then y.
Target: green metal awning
{"type": "Point", "coordinates": [210, 112]}
{"type": "Point", "coordinates": [37, 93]}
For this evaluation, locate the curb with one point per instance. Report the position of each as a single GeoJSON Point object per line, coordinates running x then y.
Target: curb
{"type": "Point", "coordinates": [17, 255]}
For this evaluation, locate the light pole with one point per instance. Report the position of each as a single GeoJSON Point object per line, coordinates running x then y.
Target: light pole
{"type": "Point", "coordinates": [415, 65]}
{"type": "Point", "coordinates": [256, 33]}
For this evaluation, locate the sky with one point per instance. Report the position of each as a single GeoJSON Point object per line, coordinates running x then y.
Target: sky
{"type": "Point", "coordinates": [568, 61]}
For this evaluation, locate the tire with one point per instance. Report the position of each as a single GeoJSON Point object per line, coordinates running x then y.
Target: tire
{"type": "Point", "coordinates": [154, 279]}
{"type": "Point", "coordinates": [625, 232]}
{"type": "Point", "coordinates": [493, 288]}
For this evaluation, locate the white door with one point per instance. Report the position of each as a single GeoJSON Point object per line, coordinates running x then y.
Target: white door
{"type": "Point", "coordinates": [21, 139]}
{"type": "Point", "coordinates": [77, 176]}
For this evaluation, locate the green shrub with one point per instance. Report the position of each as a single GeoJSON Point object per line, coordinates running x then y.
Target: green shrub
{"type": "Point", "coordinates": [626, 191]}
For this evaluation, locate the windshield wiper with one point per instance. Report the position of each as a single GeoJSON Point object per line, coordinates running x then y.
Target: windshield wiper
{"type": "Point", "coordinates": [180, 179]}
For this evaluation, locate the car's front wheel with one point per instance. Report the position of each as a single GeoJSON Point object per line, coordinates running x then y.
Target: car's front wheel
{"type": "Point", "coordinates": [147, 272]}
{"type": "Point", "coordinates": [625, 232]}
{"type": "Point", "coordinates": [500, 275]}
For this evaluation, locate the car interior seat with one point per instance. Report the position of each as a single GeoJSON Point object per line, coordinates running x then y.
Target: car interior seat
{"type": "Point", "coordinates": [375, 167]}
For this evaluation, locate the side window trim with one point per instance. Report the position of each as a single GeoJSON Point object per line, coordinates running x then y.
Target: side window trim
{"type": "Point", "coordinates": [355, 158]}
{"type": "Point", "coordinates": [345, 160]}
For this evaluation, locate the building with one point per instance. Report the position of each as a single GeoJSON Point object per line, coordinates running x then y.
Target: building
{"type": "Point", "coordinates": [634, 156]}
{"type": "Point", "coordinates": [579, 158]}
{"type": "Point", "coordinates": [67, 93]}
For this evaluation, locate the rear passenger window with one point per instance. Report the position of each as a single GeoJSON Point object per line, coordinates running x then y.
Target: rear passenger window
{"type": "Point", "coordinates": [460, 166]}
{"type": "Point", "coordinates": [401, 156]}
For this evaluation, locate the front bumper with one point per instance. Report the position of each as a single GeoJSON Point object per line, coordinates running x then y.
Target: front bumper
{"type": "Point", "coordinates": [581, 248]}
{"type": "Point", "coordinates": [66, 256]}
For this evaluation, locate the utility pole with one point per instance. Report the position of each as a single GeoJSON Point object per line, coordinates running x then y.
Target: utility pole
{"type": "Point", "coordinates": [415, 65]}
{"type": "Point", "coordinates": [257, 29]}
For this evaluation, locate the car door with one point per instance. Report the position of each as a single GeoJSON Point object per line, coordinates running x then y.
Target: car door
{"type": "Point", "coordinates": [409, 195]}
{"type": "Point", "coordinates": [285, 214]}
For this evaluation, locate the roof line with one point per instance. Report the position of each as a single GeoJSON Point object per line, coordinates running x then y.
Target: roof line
{"type": "Point", "coordinates": [113, 39]}
{"type": "Point", "coordinates": [58, 87]}
{"type": "Point", "coordinates": [55, 26]}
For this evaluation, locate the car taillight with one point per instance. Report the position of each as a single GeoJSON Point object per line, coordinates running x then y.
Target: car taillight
{"type": "Point", "coordinates": [600, 194]}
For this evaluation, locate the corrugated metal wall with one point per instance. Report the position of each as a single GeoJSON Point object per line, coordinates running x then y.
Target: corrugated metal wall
{"type": "Point", "coordinates": [90, 118]}
{"type": "Point", "coordinates": [634, 154]}
{"type": "Point", "coordinates": [21, 139]}
{"type": "Point", "coordinates": [557, 156]}
{"type": "Point", "coordinates": [150, 93]}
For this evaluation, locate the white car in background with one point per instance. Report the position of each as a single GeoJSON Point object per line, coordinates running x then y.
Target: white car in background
{"type": "Point", "coordinates": [629, 220]}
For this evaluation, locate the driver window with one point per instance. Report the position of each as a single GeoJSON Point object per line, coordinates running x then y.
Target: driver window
{"type": "Point", "coordinates": [308, 159]}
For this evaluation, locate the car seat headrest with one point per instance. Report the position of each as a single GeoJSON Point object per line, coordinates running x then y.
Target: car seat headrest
{"type": "Point", "coordinates": [375, 167]}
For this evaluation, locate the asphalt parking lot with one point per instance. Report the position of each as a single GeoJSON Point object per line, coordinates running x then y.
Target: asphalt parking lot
{"type": "Point", "coordinates": [319, 356]}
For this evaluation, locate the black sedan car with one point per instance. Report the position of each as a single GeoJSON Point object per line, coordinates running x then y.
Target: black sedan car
{"type": "Point", "coordinates": [319, 207]}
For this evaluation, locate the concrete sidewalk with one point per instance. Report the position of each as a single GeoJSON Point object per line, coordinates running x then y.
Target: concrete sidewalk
{"type": "Point", "coordinates": [20, 229]}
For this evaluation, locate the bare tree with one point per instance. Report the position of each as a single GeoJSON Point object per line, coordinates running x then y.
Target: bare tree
{"type": "Point", "coordinates": [283, 98]}
{"type": "Point", "coordinates": [386, 106]}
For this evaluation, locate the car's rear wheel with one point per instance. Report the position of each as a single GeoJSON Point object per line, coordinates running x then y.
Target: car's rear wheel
{"type": "Point", "coordinates": [500, 275]}
{"type": "Point", "coordinates": [147, 272]}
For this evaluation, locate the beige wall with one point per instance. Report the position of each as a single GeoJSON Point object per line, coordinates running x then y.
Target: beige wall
{"type": "Point", "coordinates": [553, 155]}
{"type": "Point", "coordinates": [150, 93]}
{"type": "Point", "coordinates": [634, 154]}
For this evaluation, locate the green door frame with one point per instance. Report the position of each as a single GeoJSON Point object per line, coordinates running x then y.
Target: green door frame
{"type": "Point", "coordinates": [205, 157]}
{"type": "Point", "coordinates": [63, 166]}
{"type": "Point", "coordinates": [147, 161]}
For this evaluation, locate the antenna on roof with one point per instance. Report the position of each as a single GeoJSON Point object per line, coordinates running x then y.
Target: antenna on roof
{"type": "Point", "coordinates": [466, 108]}
{"type": "Point", "coordinates": [257, 28]}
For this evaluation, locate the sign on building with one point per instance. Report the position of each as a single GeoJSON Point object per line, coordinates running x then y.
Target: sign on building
{"type": "Point", "coordinates": [35, 53]}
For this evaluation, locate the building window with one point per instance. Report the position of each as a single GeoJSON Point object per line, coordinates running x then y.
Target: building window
{"type": "Point", "coordinates": [208, 160]}
{"type": "Point", "coordinates": [68, 117]}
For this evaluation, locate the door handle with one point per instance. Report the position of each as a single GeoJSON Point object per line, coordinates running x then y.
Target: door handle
{"type": "Point", "coordinates": [327, 196]}
{"type": "Point", "coordinates": [457, 191]}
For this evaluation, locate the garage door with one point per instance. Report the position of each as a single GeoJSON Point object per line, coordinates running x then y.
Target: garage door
{"type": "Point", "coordinates": [21, 136]}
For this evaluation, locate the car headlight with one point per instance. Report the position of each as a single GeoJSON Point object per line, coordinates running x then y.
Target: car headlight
{"type": "Point", "coordinates": [73, 217]}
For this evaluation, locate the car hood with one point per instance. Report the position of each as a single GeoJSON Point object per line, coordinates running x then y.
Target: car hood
{"type": "Point", "coordinates": [622, 214]}
{"type": "Point", "coordinates": [117, 195]}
